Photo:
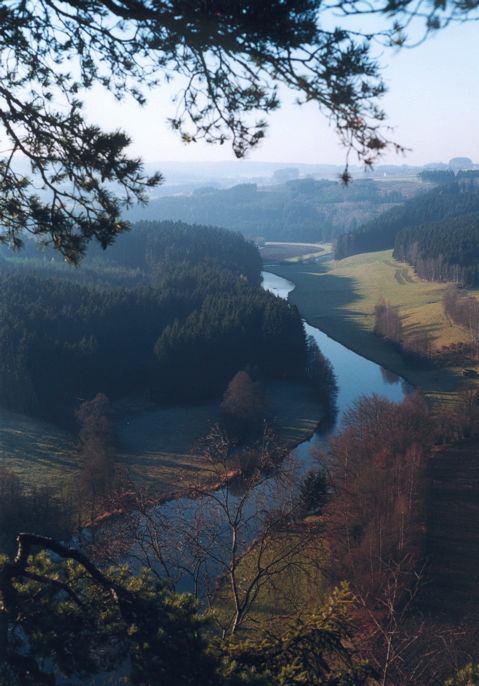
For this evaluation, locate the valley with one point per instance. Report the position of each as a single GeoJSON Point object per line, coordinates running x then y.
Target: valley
{"type": "Point", "coordinates": [340, 296]}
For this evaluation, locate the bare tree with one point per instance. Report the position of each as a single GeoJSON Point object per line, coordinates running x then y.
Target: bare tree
{"type": "Point", "coordinates": [101, 477]}
{"type": "Point", "coordinates": [375, 526]}
{"type": "Point", "coordinates": [229, 544]}
{"type": "Point", "coordinates": [393, 631]}
{"type": "Point", "coordinates": [244, 408]}
{"type": "Point", "coordinates": [387, 321]}
{"type": "Point", "coordinates": [463, 309]}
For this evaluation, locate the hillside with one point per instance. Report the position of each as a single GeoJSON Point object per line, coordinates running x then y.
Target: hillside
{"type": "Point", "coordinates": [299, 210]}
{"type": "Point", "coordinates": [340, 297]}
{"type": "Point", "coordinates": [436, 205]}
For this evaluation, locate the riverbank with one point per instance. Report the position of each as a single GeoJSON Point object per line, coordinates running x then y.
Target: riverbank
{"type": "Point", "coordinates": [301, 579]}
{"type": "Point", "coordinates": [160, 447]}
{"type": "Point", "coordinates": [156, 446]}
{"type": "Point", "coordinates": [339, 298]}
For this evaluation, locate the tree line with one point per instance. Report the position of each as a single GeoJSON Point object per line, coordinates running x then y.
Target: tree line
{"type": "Point", "coordinates": [446, 176]}
{"type": "Point", "coordinates": [463, 309]}
{"type": "Point", "coordinates": [197, 355]}
{"type": "Point", "coordinates": [146, 251]}
{"type": "Point", "coordinates": [446, 250]}
{"type": "Point", "coordinates": [440, 204]}
{"type": "Point", "coordinates": [300, 210]}
{"type": "Point", "coordinates": [156, 246]}
{"type": "Point", "coordinates": [414, 346]}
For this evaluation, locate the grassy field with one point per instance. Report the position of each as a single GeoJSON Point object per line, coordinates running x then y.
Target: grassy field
{"type": "Point", "coordinates": [156, 446]}
{"type": "Point", "coordinates": [299, 587]}
{"type": "Point", "coordinates": [39, 453]}
{"type": "Point", "coordinates": [159, 446]}
{"type": "Point", "coordinates": [339, 297]}
{"type": "Point", "coordinates": [293, 252]}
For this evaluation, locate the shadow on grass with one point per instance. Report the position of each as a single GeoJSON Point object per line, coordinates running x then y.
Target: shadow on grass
{"type": "Point", "coordinates": [325, 300]}
{"type": "Point", "coordinates": [430, 330]}
{"type": "Point", "coordinates": [28, 443]}
{"type": "Point", "coordinates": [316, 281]}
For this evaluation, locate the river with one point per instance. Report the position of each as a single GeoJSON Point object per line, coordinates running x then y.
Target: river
{"type": "Point", "coordinates": [191, 527]}
{"type": "Point", "coordinates": [355, 375]}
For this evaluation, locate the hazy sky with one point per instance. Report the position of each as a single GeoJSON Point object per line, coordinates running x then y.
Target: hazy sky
{"type": "Point", "coordinates": [432, 105]}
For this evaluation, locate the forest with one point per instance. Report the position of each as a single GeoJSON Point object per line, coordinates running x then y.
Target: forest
{"type": "Point", "coordinates": [446, 250]}
{"type": "Point", "coordinates": [234, 560]}
{"type": "Point", "coordinates": [172, 312]}
{"type": "Point", "coordinates": [300, 210]}
{"type": "Point", "coordinates": [441, 203]}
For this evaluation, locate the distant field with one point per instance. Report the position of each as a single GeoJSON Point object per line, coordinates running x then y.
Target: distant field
{"type": "Point", "coordinates": [339, 298]}
{"type": "Point", "coordinates": [157, 446]}
{"type": "Point", "coordinates": [293, 252]}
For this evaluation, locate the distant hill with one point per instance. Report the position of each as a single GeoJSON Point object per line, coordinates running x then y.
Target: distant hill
{"type": "Point", "coordinates": [301, 209]}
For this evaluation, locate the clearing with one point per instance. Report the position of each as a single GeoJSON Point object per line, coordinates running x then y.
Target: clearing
{"type": "Point", "coordinates": [293, 252]}
{"type": "Point", "coordinates": [157, 446]}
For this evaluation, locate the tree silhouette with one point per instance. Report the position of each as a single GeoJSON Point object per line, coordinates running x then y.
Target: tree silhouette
{"type": "Point", "coordinates": [230, 57]}
{"type": "Point", "coordinates": [244, 408]}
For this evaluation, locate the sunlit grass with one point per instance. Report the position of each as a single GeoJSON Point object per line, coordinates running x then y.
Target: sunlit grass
{"type": "Point", "coordinates": [39, 453]}
{"type": "Point", "coordinates": [298, 588]}
{"type": "Point", "coordinates": [339, 297]}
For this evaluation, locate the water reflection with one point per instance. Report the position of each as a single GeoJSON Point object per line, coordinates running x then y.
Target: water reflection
{"type": "Point", "coordinates": [355, 375]}
{"type": "Point", "coordinates": [195, 536]}
{"type": "Point", "coordinates": [389, 376]}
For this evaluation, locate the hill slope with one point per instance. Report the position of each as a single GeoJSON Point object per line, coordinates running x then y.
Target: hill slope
{"type": "Point", "coordinates": [300, 210]}
{"type": "Point", "coordinates": [437, 205]}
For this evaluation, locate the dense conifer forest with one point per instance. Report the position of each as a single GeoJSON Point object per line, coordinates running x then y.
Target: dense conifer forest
{"type": "Point", "coordinates": [171, 312]}
{"type": "Point", "coordinates": [458, 202]}
{"type": "Point", "coordinates": [446, 250]}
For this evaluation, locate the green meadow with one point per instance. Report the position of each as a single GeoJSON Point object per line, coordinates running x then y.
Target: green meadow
{"type": "Point", "coordinates": [339, 298]}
